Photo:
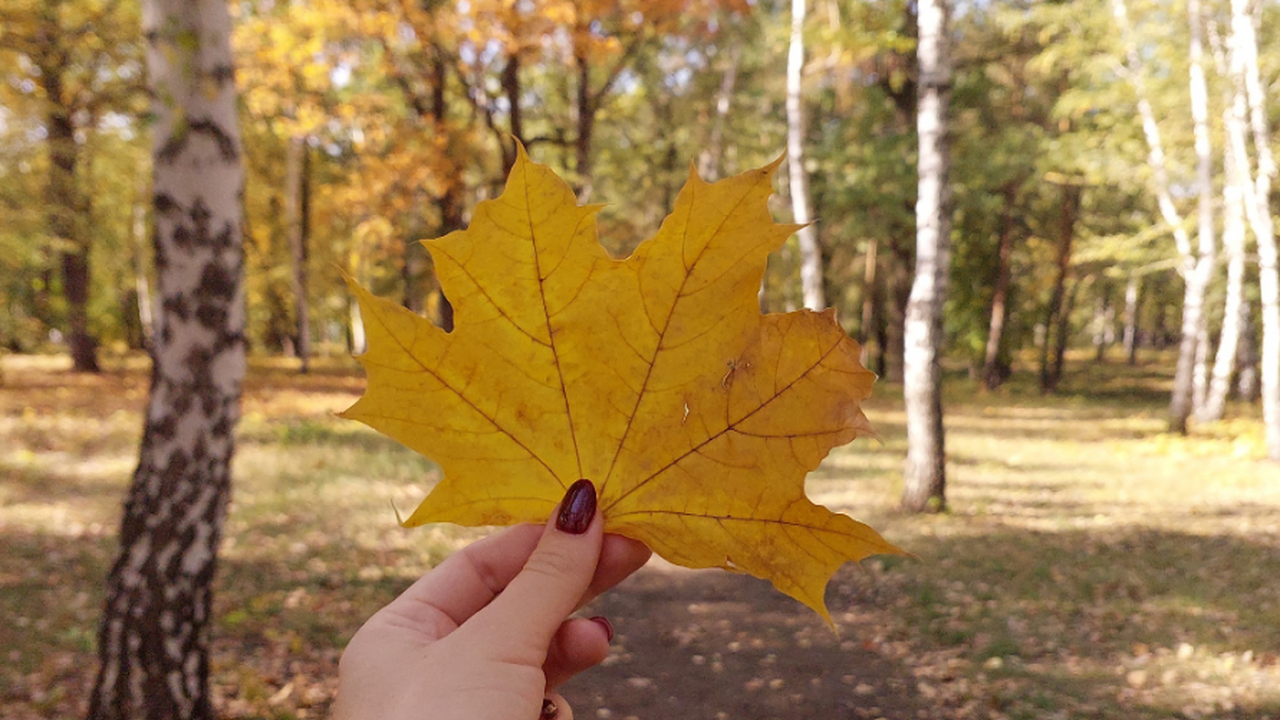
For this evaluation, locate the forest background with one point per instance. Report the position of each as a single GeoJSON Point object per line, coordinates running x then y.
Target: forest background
{"type": "Point", "coordinates": [371, 125]}
{"type": "Point", "coordinates": [1082, 219]}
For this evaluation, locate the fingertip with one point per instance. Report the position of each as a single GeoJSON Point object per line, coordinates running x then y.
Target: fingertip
{"type": "Point", "coordinates": [579, 644]}
{"type": "Point", "coordinates": [578, 508]}
{"type": "Point", "coordinates": [603, 622]}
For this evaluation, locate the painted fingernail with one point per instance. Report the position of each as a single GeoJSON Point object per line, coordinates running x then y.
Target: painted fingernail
{"type": "Point", "coordinates": [603, 622]}
{"type": "Point", "coordinates": [549, 709]}
{"type": "Point", "coordinates": [578, 508]}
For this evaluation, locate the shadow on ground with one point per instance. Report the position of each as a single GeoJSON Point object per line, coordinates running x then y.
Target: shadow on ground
{"type": "Point", "coordinates": [709, 645]}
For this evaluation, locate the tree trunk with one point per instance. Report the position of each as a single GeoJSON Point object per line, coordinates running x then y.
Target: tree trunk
{"type": "Point", "coordinates": [925, 476]}
{"type": "Point", "coordinates": [1155, 147]}
{"type": "Point", "coordinates": [994, 372]}
{"type": "Point", "coordinates": [141, 280]}
{"type": "Point", "coordinates": [586, 123]}
{"type": "Point", "coordinates": [1258, 210]}
{"type": "Point", "coordinates": [1058, 312]}
{"type": "Point", "coordinates": [1132, 291]}
{"type": "Point", "coordinates": [1062, 336]}
{"type": "Point", "coordinates": [867, 327]}
{"type": "Point", "coordinates": [711, 157]}
{"type": "Point", "coordinates": [1235, 186]}
{"type": "Point", "coordinates": [810, 251]}
{"type": "Point", "coordinates": [355, 339]}
{"type": "Point", "coordinates": [511, 88]}
{"type": "Point", "coordinates": [297, 212]}
{"type": "Point", "coordinates": [896, 296]}
{"type": "Point", "coordinates": [1101, 312]}
{"type": "Point", "coordinates": [1247, 384]}
{"type": "Point", "coordinates": [154, 638]}
{"type": "Point", "coordinates": [65, 205]}
{"type": "Point", "coordinates": [449, 204]}
{"type": "Point", "coordinates": [1199, 272]}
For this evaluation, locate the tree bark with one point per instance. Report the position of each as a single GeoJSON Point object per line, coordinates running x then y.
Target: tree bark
{"type": "Point", "coordinates": [1155, 147]}
{"type": "Point", "coordinates": [154, 638]}
{"type": "Point", "coordinates": [1235, 186]}
{"type": "Point", "coordinates": [1062, 335]}
{"type": "Point", "coordinates": [449, 204]}
{"type": "Point", "coordinates": [867, 328]}
{"type": "Point", "coordinates": [1199, 271]}
{"type": "Point", "coordinates": [1132, 293]}
{"type": "Point", "coordinates": [511, 88]}
{"type": "Point", "coordinates": [65, 204]}
{"type": "Point", "coordinates": [586, 125]}
{"type": "Point", "coordinates": [1247, 384]}
{"type": "Point", "coordinates": [994, 371]}
{"type": "Point", "coordinates": [712, 156]}
{"type": "Point", "coordinates": [297, 219]}
{"type": "Point", "coordinates": [897, 293]}
{"type": "Point", "coordinates": [811, 291]}
{"type": "Point", "coordinates": [1244, 64]}
{"type": "Point", "coordinates": [141, 279]}
{"type": "Point", "coordinates": [1102, 315]}
{"type": "Point", "coordinates": [1057, 314]}
{"type": "Point", "coordinates": [925, 476]}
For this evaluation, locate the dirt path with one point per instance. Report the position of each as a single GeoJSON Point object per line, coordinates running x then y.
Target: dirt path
{"type": "Point", "coordinates": [711, 645]}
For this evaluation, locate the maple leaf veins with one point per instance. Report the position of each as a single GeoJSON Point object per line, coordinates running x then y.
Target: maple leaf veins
{"type": "Point", "coordinates": [656, 377]}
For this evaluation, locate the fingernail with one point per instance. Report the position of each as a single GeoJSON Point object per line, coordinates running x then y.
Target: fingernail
{"type": "Point", "coordinates": [549, 709]}
{"type": "Point", "coordinates": [578, 508]}
{"type": "Point", "coordinates": [604, 623]}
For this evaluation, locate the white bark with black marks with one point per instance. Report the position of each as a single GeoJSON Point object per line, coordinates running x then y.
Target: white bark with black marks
{"type": "Point", "coordinates": [1244, 65]}
{"type": "Point", "coordinates": [925, 474]}
{"type": "Point", "coordinates": [1234, 187]}
{"type": "Point", "coordinates": [810, 251]}
{"type": "Point", "coordinates": [1190, 381]}
{"type": "Point", "coordinates": [1196, 265]}
{"type": "Point", "coordinates": [154, 638]}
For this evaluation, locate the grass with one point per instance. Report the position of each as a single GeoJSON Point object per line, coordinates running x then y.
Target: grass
{"type": "Point", "coordinates": [1090, 564]}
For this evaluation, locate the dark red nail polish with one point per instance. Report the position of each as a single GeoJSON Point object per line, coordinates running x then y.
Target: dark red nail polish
{"type": "Point", "coordinates": [549, 709]}
{"type": "Point", "coordinates": [578, 508]}
{"type": "Point", "coordinates": [603, 622]}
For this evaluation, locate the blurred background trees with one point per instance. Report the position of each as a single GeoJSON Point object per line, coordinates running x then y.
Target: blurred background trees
{"type": "Point", "coordinates": [371, 124]}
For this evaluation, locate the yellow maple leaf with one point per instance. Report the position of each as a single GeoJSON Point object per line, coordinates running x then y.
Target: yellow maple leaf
{"type": "Point", "coordinates": [656, 377]}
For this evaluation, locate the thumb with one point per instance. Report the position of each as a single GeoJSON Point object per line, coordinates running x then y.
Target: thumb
{"type": "Point", "coordinates": [524, 617]}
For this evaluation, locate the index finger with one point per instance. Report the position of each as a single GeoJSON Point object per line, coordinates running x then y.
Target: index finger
{"type": "Point", "coordinates": [442, 599]}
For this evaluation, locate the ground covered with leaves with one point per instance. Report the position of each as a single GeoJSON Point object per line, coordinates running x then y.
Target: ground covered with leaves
{"type": "Point", "coordinates": [1091, 565]}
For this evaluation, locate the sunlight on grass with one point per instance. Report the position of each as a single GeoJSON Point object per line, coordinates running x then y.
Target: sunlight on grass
{"type": "Point", "coordinates": [1090, 565]}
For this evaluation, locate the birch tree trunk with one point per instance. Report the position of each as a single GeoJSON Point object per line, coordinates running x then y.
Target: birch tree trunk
{"type": "Point", "coordinates": [1195, 270]}
{"type": "Point", "coordinates": [141, 281]}
{"type": "Point", "coordinates": [810, 250]}
{"type": "Point", "coordinates": [925, 476]}
{"type": "Point", "coordinates": [711, 157]}
{"type": "Point", "coordinates": [154, 638]}
{"type": "Point", "coordinates": [1233, 240]}
{"type": "Point", "coordinates": [1132, 289]}
{"type": "Point", "coordinates": [1190, 380]}
{"type": "Point", "coordinates": [1244, 47]}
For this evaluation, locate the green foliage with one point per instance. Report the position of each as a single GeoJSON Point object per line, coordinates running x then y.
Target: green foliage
{"type": "Point", "coordinates": [406, 109]}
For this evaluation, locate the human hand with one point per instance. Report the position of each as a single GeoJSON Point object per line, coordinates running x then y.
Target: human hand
{"type": "Point", "coordinates": [484, 635]}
